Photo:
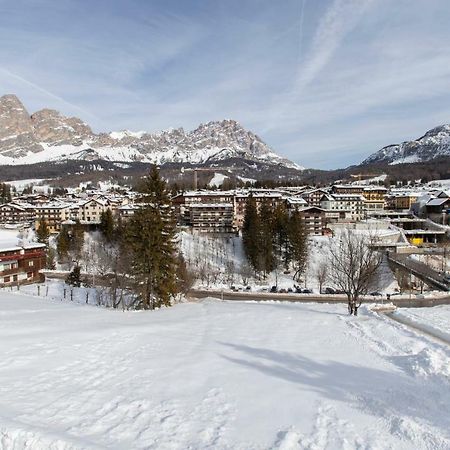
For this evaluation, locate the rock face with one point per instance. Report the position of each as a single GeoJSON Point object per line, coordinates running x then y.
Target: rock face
{"type": "Point", "coordinates": [55, 129]}
{"type": "Point", "coordinates": [17, 136]}
{"type": "Point", "coordinates": [435, 143]}
{"type": "Point", "coordinates": [47, 135]}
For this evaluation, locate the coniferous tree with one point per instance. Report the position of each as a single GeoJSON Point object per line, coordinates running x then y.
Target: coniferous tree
{"type": "Point", "coordinates": [267, 256]}
{"type": "Point", "coordinates": [74, 277]}
{"type": "Point", "coordinates": [42, 232]}
{"type": "Point", "coordinates": [107, 225]}
{"type": "Point", "coordinates": [76, 242]}
{"type": "Point", "coordinates": [298, 244]}
{"type": "Point", "coordinates": [5, 193]}
{"type": "Point", "coordinates": [62, 244]}
{"type": "Point", "coordinates": [251, 231]}
{"type": "Point", "coordinates": [150, 239]}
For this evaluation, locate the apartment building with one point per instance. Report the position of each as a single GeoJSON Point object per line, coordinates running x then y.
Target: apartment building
{"type": "Point", "coordinates": [349, 206]}
{"type": "Point", "coordinates": [53, 213]}
{"type": "Point", "coordinates": [12, 213]}
{"type": "Point", "coordinates": [212, 217]}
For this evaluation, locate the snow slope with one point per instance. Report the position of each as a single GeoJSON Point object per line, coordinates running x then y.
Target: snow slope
{"type": "Point", "coordinates": [222, 375]}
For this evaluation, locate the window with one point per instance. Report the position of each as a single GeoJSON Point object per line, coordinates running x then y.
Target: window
{"type": "Point", "coordinates": [6, 279]}
{"type": "Point", "coordinates": [30, 263]}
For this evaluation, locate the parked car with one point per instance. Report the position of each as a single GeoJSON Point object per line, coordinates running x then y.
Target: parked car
{"type": "Point", "coordinates": [248, 288]}
{"type": "Point", "coordinates": [289, 290]}
{"type": "Point", "coordinates": [307, 291]}
{"type": "Point", "coordinates": [282, 291]}
{"type": "Point", "coordinates": [273, 289]}
{"type": "Point", "coordinates": [376, 294]}
{"type": "Point", "coordinates": [298, 290]}
{"type": "Point", "coordinates": [329, 290]}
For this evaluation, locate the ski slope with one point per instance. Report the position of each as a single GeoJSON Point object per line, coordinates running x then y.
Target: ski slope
{"type": "Point", "coordinates": [216, 375]}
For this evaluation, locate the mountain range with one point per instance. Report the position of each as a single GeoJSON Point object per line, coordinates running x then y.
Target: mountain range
{"type": "Point", "coordinates": [47, 144]}
{"type": "Point", "coordinates": [433, 144]}
{"type": "Point", "coordinates": [48, 136]}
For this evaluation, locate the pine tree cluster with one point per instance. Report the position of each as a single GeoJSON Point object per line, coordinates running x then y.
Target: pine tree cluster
{"type": "Point", "coordinates": [273, 237]}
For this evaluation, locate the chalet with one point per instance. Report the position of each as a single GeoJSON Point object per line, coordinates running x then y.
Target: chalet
{"type": "Point", "coordinates": [21, 264]}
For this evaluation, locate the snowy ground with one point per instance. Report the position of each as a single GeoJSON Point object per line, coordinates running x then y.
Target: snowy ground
{"type": "Point", "coordinates": [220, 375]}
{"type": "Point", "coordinates": [435, 320]}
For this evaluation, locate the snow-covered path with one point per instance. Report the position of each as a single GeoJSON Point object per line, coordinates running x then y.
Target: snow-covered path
{"type": "Point", "coordinates": [216, 375]}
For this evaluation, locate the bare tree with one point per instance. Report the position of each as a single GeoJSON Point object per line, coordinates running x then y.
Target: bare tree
{"type": "Point", "coordinates": [403, 279]}
{"type": "Point", "coordinates": [322, 274]}
{"type": "Point", "coordinates": [353, 266]}
{"type": "Point", "coordinates": [245, 272]}
{"type": "Point", "coordinates": [229, 272]}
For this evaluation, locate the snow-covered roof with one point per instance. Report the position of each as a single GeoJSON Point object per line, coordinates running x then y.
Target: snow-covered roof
{"type": "Point", "coordinates": [437, 201]}
{"type": "Point", "coordinates": [211, 205]}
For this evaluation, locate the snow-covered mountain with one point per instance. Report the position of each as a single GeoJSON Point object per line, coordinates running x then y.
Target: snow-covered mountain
{"type": "Point", "coordinates": [48, 136]}
{"type": "Point", "coordinates": [435, 143]}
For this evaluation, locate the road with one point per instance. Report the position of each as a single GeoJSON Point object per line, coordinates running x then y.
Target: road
{"type": "Point", "coordinates": [404, 301]}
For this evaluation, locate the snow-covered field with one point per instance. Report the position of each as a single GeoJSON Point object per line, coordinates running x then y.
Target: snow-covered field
{"type": "Point", "coordinates": [222, 375]}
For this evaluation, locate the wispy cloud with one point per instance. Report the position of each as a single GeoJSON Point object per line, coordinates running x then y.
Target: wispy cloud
{"type": "Point", "coordinates": [338, 78]}
{"type": "Point", "coordinates": [340, 18]}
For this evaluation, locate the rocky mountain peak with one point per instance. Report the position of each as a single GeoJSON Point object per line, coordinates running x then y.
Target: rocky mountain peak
{"type": "Point", "coordinates": [17, 136]}
{"type": "Point", "coordinates": [433, 144]}
{"type": "Point", "coordinates": [54, 136]}
{"type": "Point", "coordinates": [53, 128]}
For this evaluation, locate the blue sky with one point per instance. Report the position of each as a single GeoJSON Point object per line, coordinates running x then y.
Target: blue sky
{"type": "Point", "coordinates": [323, 82]}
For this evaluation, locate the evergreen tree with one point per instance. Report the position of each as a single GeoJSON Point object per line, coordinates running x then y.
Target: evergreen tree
{"type": "Point", "coordinates": [42, 232]}
{"type": "Point", "coordinates": [62, 244]}
{"type": "Point", "coordinates": [74, 277]}
{"type": "Point", "coordinates": [150, 239]}
{"type": "Point", "coordinates": [76, 241]}
{"type": "Point", "coordinates": [5, 193]}
{"type": "Point", "coordinates": [251, 231]}
{"type": "Point", "coordinates": [298, 244]}
{"type": "Point", "coordinates": [107, 225]}
{"type": "Point", "coordinates": [267, 257]}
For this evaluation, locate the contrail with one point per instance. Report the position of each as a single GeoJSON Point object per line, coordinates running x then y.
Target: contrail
{"type": "Point", "coordinates": [48, 93]}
